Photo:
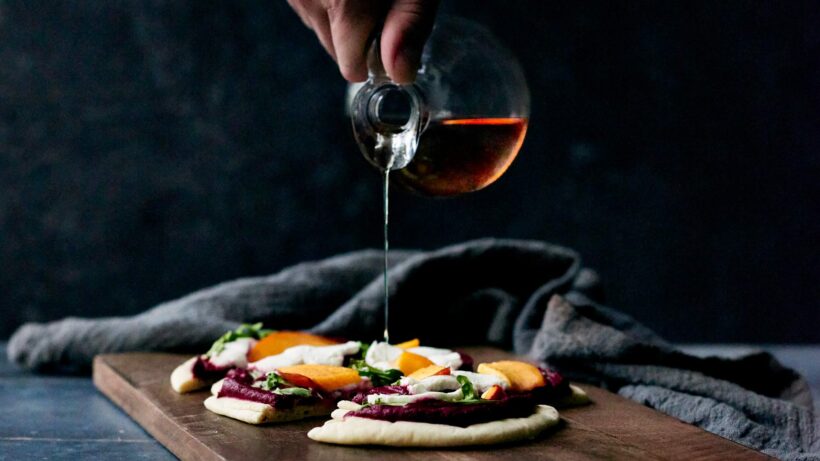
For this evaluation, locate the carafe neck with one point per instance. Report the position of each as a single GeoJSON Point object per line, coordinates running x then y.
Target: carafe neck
{"type": "Point", "coordinates": [387, 117]}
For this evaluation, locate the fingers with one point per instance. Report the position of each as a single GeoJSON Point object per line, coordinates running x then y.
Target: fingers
{"type": "Point", "coordinates": [351, 25]}
{"type": "Point", "coordinates": [314, 15]}
{"type": "Point", "coordinates": [321, 25]}
{"type": "Point", "coordinates": [406, 28]}
{"type": "Point", "coordinates": [344, 27]}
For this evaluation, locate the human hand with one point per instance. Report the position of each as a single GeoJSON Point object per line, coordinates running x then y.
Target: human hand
{"type": "Point", "coordinates": [344, 27]}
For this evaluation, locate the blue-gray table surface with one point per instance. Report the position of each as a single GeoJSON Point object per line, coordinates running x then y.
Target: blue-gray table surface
{"type": "Point", "coordinates": [57, 417]}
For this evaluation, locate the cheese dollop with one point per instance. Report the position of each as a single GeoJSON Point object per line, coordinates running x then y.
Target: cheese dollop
{"type": "Point", "coordinates": [383, 356]}
{"type": "Point", "coordinates": [394, 399]}
{"type": "Point", "coordinates": [441, 357]}
{"type": "Point", "coordinates": [298, 355]}
{"type": "Point", "coordinates": [234, 354]}
{"type": "Point", "coordinates": [431, 384]}
{"type": "Point", "coordinates": [481, 381]}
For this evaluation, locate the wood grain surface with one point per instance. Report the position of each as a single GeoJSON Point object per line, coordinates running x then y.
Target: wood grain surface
{"type": "Point", "coordinates": [611, 427]}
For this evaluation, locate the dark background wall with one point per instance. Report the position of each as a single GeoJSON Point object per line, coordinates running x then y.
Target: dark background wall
{"type": "Point", "coordinates": [150, 148]}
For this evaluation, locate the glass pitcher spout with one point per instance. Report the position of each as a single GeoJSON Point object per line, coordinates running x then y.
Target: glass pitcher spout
{"type": "Point", "coordinates": [387, 117]}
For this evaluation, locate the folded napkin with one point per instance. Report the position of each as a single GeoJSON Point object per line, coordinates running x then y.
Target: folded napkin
{"type": "Point", "coordinates": [530, 296]}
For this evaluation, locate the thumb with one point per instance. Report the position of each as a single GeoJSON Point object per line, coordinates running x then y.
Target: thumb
{"type": "Point", "coordinates": [406, 28]}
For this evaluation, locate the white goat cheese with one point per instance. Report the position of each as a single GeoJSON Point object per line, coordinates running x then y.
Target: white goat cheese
{"type": "Point", "coordinates": [298, 355]}
{"type": "Point", "coordinates": [234, 354]}
{"type": "Point", "coordinates": [480, 381]}
{"type": "Point", "coordinates": [393, 399]}
{"type": "Point", "coordinates": [383, 356]}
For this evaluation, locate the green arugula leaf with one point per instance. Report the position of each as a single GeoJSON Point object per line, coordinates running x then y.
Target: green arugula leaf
{"type": "Point", "coordinates": [272, 381]}
{"type": "Point", "coordinates": [245, 330]}
{"type": "Point", "coordinates": [377, 377]}
{"type": "Point", "coordinates": [278, 385]}
{"type": "Point", "coordinates": [467, 388]}
{"type": "Point", "coordinates": [299, 391]}
{"type": "Point", "coordinates": [363, 347]}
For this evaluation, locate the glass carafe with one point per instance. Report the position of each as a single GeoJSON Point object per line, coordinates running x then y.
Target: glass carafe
{"type": "Point", "coordinates": [458, 127]}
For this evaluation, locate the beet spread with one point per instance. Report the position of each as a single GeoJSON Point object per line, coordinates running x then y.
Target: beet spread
{"type": "Point", "coordinates": [207, 371]}
{"type": "Point", "coordinates": [242, 391]}
{"type": "Point", "coordinates": [241, 375]}
{"type": "Point", "coordinates": [512, 405]}
{"type": "Point", "coordinates": [454, 414]}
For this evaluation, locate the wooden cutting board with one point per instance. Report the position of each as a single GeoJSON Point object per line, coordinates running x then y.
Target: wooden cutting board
{"type": "Point", "coordinates": [611, 427]}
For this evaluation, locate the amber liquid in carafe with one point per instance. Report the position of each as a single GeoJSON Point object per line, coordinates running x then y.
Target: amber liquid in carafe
{"type": "Point", "coordinates": [462, 155]}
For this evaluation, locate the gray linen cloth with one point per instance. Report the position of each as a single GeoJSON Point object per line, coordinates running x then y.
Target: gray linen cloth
{"type": "Point", "coordinates": [530, 296]}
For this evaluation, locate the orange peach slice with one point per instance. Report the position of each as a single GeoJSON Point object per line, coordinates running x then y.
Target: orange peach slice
{"type": "Point", "coordinates": [493, 393]}
{"type": "Point", "coordinates": [409, 362]}
{"type": "Point", "coordinates": [298, 380]}
{"type": "Point", "coordinates": [326, 377]}
{"type": "Point", "coordinates": [276, 343]}
{"type": "Point", "coordinates": [521, 376]}
{"type": "Point", "coordinates": [430, 370]}
{"type": "Point", "coordinates": [408, 344]}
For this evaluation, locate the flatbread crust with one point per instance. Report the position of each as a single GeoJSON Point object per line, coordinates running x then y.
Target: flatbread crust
{"type": "Point", "coordinates": [217, 386]}
{"type": "Point", "coordinates": [261, 413]}
{"type": "Point", "coordinates": [183, 379]}
{"type": "Point", "coordinates": [577, 398]}
{"type": "Point", "coordinates": [364, 431]}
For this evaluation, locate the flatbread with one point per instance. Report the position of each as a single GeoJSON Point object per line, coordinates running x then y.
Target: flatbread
{"type": "Point", "coordinates": [216, 387]}
{"type": "Point", "coordinates": [257, 412]}
{"type": "Point", "coordinates": [364, 431]}
{"type": "Point", "coordinates": [183, 379]}
{"type": "Point", "coordinates": [261, 413]}
{"type": "Point", "coordinates": [577, 398]}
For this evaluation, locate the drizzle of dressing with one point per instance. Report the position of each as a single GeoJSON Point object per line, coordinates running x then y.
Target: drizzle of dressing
{"type": "Point", "coordinates": [386, 249]}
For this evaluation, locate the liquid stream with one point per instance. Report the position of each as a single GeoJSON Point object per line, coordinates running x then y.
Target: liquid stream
{"type": "Point", "coordinates": [386, 250]}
